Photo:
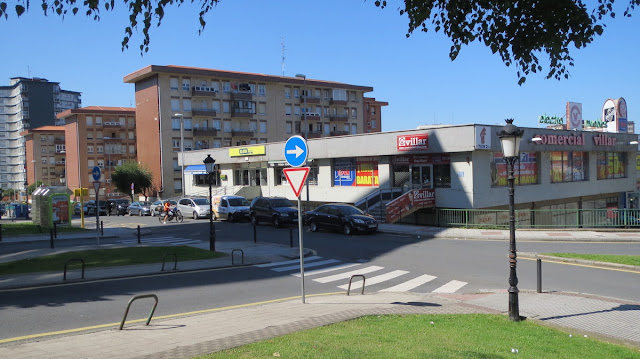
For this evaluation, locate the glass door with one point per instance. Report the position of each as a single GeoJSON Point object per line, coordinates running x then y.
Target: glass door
{"type": "Point", "coordinates": [421, 176]}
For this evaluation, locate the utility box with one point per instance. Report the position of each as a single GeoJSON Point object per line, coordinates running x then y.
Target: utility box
{"type": "Point", "coordinates": [51, 205]}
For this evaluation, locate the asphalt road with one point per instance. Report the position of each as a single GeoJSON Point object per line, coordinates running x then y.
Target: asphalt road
{"type": "Point", "coordinates": [478, 264]}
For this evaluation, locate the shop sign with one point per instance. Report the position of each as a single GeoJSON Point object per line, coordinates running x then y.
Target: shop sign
{"type": "Point", "coordinates": [572, 140]}
{"type": "Point", "coordinates": [551, 120]}
{"type": "Point", "coordinates": [409, 203]}
{"type": "Point", "coordinates": [247, 151]}
{"type": "Point", "coordinates": [574, 116]}
{"type": "Point", "coordinates": [361, 172]}
{"type": "Point", "coordinates": [437, 158]}
{"type": "Point", "coordinates": [596, 123]}
{"type": "Point", "coordinates": [483, 138]}
{"type": "Point", "coordinates": [413, 142]}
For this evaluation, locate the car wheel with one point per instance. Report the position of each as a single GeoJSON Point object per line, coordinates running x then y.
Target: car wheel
{"type": "Point", "coordinates": [195, 215]}
{"type": "Point", "coordinates": [153, 213]}
{"type": "Point", "coordinates": [276, 222]}
{"type": "Point", "coordinates": [130, 214]}
{"type": "Point", "coordinates": [254, 220]}
{"type": "Point", "coordinates": [140, 213]}
{"type": "Point", "coordinates": [347, 229]}
{"type": "Point", "coordinates": [313, 227]}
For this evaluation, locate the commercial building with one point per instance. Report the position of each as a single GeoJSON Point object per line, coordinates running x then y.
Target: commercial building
{"type": "Point", "coordinates": [183, 109]}
{"type": "Point", "coordinates": [25, 104]}
{"type": "Point", "coordinates": [456, 166]}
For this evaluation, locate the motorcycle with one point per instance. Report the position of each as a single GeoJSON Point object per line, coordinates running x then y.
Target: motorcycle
{"type": "Point", "coordinates": [173, 214]}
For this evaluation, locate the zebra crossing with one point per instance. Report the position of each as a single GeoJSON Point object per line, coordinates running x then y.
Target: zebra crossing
{"type": "Point", "coordinates": [169, 240]}
{"type": "Point", "coordinates": [378, 278]}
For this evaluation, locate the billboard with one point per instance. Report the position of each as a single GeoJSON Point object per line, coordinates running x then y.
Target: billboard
{"type": "Point", "coordinates": [614, 114]}
{"type": "Point", "coordinates": [574, 116]}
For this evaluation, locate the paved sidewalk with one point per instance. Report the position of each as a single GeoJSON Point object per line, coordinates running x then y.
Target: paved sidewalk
{"type": "Point", "coordinates": [220, 328]}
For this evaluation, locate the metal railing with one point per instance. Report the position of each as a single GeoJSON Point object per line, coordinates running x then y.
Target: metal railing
{"type": "Point", "coordinates": [540, 218]}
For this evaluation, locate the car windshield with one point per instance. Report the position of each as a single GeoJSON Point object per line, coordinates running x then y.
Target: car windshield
{"type": "Point", "coordinates": [235, 202]}
{"type": "Point", "coordinates": [122, 201]}
{"type": "Point", "coordinates": [348, 210]}
{"type": "Point", "coordinates": [201, 201]}
{"type": "Point", "coordinates": [145, 203]}
{"type": "Point", "coordinates": [281, 202]}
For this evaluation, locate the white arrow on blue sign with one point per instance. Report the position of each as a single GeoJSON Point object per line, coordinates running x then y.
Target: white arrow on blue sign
{"type": "Point", "coordinates": [96, 173]}
{"type": "Point", "coordinates": [296, 151]}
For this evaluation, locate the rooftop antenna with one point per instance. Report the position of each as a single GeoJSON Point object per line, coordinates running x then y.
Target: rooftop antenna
{"type": "Point", "coordinates": [283, 48]}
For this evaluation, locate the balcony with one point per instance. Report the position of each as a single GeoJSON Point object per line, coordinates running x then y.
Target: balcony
{"type": "Point", "coordinates": [338, 102]}
{"type": "Point", "coordinates": [112, 125]}
{"type": "Point", "coordinates": [338, 133]}
{"type": "Point", "coordinates": [58, 140]}
{"type": "Point", "coordinates": [242, 112]}
{"type": "Point", "coordinates": [205, 132]}
{"type": "Point", "coordinates": [241, 95]}
{"type": "Point", "coordinates": [240, 132]}
{"type": "Point", "coordinates": [204, 112]}
{"type": "Point", "coordinates": [310, 117]}
{"type": "Point", "coordinates": [204, 91]}
{"type": "Point", "coordinates": [310, 99]}
{"type": "Point", "coordinates": [338, 118]}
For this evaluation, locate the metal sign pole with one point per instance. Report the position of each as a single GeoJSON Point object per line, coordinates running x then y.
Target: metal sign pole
{"type": "Point", "coordinates": [96, 187]}
{"type": "Point", "coordinates": [301, 247]}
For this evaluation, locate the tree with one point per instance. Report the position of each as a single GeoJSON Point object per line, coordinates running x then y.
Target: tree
{"type": "Point", "coordinates": [32, 187]}
{"type": "Point", "coordinates": [131, 172]}
{"type": "Point", "coordinates": [518, 30]}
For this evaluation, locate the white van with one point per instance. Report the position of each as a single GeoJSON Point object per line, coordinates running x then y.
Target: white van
{"type": "Point", "coordinates": [231, 208]}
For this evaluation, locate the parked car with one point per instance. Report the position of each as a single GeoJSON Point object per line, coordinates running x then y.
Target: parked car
{"type": "Point", "coordinates": [119, 206]}
{"type": "Point", "coordinates": [91, 208]}
{"type": "Point", "coordinates": [343, 217]}
{"type": "Point", "coordinates": [194, 207]}
{"type": "Point", "coordinates": [231, 208]}
{"type": "Point", "coordinates": [275, 210]}
{"type": "Point", "coordinates": [157, 207]}
{"type": "Point", "coordinates": [77, 207]}
{"type": "Point", "coordinates": [141, 208]}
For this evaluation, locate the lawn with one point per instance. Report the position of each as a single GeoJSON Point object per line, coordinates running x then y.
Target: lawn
{"type": "Point", "coordinates": [106, 258]}
{"type": "Point", "coordinates": [610, 258]}
{"type": "Point", "coordinates": [431, 336]}
{"type": "Point", "coordinates": [16, 229]}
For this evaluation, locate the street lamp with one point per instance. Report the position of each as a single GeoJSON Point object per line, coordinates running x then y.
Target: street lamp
{"type": "Point", "coordinates": [181, 146]}
{"type": "Point", "coordinates": [510, 137]}
{"type": "Point", "coordinates": [209, 163]}
{"type": "Point", "coordinates": [306, 126]}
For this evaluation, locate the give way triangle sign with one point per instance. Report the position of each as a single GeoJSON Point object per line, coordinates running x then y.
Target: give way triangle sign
{"type": "Point", "coordinates": [296, 177]}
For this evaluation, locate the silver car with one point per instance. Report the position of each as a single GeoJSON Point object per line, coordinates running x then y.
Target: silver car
{"type": "Point", "coordinates": [140, 208]}
{"type": "Point", "coordinates": [194, 207]}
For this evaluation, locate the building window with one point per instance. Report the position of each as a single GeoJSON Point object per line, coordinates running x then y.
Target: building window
{"type": "Point", "coordinates": [186, 104]}
{"type": "Point", "coordinates": [354, 113]}
{"type": "Point", "coordinates": [226, 107]}
{"type": "Point", "coordinates": [173, 83]}
{"type": "Point", "coordinates": [611, 165]}
{"type": "Point", "coordinates": [227, 127]}
{"type": "Point", "coordinates": [287, 92]}
{"type": "Point", "coordinates": [262, 90]}
{"type": "Point", "coordinates": [296, 110]}
{"type": "Point", "coordinates": [326, 94]}
{"type": "Point", "coordinates": [90, 149]}
{"type": "Point", "coordinates": [360, 172]}
{"type": "Point", "coordinates": [226, 86]}
{"type": "Point", "coordinates": [287, 110]}
{"type": "Point", "coordinates": [296, 92]}
{"type": "Point", "coordinates": [176, 144]}
{"type": "Point", "coordinates": [177, 186]}
{"type": "Point", "coordinates": [526, 171]}
{"type": "Point", "coordinates": [89, 120]}
{"type": "Point", "coordinates": [262, 108]}
{"type": "Point", "coordinates": [339, 95]}
{"type": "Point", "coordinates": [568, 166]}
{"type": "Point", "coordinates": [175, 104]}
{"type": "Point", "coordinates": [186, 84]}
{"type": "Point", "coordinates": [288, 127]}
{"type": "Point", "coordinates": [373, 124]}
{"type": "Point", "coordinates": [263, 126]}
{"type": "Point", "coordinates": [215, 105]}
{"type": "Point", "coordinates": [175, 123]}
{"type": "Point", "coordinates": [442, 176]}
{"type": "Point", "coordinates": [98, 121]}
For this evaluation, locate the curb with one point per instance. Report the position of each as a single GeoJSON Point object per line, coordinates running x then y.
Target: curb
{"type": "Point", "coordinates": [579, 261]}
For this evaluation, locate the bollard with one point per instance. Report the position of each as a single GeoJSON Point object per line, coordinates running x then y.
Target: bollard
{"type": "Point", "coordinates": [539, 265]}
{"type": "Point", "coordinates": [138, 234]}
{"type": "Point", "coordinates": [290, 237]}
{"type": "Point", "coordinates": [101, 228]}
{"type": "Point", "coordinates": [55, 230]}
{"type": "Point", "coordinates": [255, 239]}
{"type": "Point", "coordinates": [51, 238]}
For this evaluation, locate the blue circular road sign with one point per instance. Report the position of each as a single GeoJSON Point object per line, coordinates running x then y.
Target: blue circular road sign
{"type": "Point", "coordinates": [296, 151]}
{"type": "Point", "coordinates": [96, 173]}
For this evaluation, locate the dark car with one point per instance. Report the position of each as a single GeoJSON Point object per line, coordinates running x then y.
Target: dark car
{"type": "Point", "coordinates": [275, 210]}
{"type": "Point", "coordinates": [342, 217]}
{"type": "Point", "coordinates": [91, 207]}
{"type": "Point", "coordinates": [119, 206]}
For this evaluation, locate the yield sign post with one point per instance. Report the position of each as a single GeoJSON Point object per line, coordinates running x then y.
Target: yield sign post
{"type": "Point", "coordinates": [296, 178]}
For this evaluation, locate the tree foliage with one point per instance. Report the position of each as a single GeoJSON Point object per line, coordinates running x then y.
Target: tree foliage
{"type": "Point", "coordinates": [518, 30]}
{"type": "Point", "coordinates": [131, 172]}
{"type": "Point", "coordinates": [32, 187]}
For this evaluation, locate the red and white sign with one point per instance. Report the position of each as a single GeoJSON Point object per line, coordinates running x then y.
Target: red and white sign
{"type": "Point", "coordinates": [409, 203]}
{"type": "Point", "coordinates": [296, 177]}
{"type": "Point", "coordinates": [413, 142]}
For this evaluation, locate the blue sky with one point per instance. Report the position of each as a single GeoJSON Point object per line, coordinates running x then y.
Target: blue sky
{"type": "Point", "coordinates": [336, 40]}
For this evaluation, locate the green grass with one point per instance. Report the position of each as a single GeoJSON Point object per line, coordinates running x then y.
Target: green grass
{"type": "Point", "coordinates": [413, 336]}
{"type": "Point", "coordinates": [610, 258]}
{"type": "Point", "coordinates": [106, 258]}
{"type": "Point", "coordinates": [16, 229]}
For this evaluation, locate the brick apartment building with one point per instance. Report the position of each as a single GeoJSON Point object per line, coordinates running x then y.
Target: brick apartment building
{"type": "Point", "coordinates": [194, 108]}
{"type": "Point", "coordinates": [373, 114]}
{"type": "Point", "coordinates": [45, 155]}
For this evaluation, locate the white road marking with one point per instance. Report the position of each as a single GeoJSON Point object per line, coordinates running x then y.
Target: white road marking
{"type": "Point", "coordinates": [348, 274]}
{"type": "Point", "coordinates": [274, 264]}
{"type": "Point", "coordinates": [325, 270]}
{"type": "Point", "coordinates": [410, 284]}
{"type": "Point", "coordinates": [375, 280]}
{"type": "Point", "coordinates": [306, 265]}
{"type": "Point", "coordinates": [450, 287]}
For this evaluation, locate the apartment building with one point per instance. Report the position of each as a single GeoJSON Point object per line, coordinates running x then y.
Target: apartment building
{"type": "Point", "coordinates": [373, 114]}
{"type": "Point", "coordinates": [185, 108]}
{"type": "Point", "coordinates": [97, 136]}
{"type": "Point", "coordinates": [45, 155]}
{"type": "Point", "coordinates": [27, 103]}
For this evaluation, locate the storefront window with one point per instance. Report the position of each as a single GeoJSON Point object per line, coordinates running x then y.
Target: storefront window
{"type": "Point", "coordinates": [358, 172]}
{"type": "Point", "coordinates": [611, 165]}
{"type": "Point", "coordinates": [568, 166]}
{"type": "Point", "coordinates": [525, 172]}
{"type": "Point", "coordinates": [442, 176]}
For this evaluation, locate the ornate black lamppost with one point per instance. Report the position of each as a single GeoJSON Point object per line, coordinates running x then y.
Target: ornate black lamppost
{"type": "Point", "coordinates": [510, 137]}
{"type": "Point", "coordinates": [209, 163]}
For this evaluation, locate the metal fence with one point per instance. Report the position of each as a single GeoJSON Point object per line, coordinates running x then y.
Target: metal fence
{"type": "Point", "coordinates": [553, 218]}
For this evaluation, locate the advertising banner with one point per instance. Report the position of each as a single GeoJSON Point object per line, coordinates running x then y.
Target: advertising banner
{"type": "Point", "coordinates": [525, 171]}
{"type": "Point", "coordinates": [413, 142]}
{"type": "Point", "coordinates": [360, 172]}
{"type": "Point", "coordinates": [409, 203]}
{"type": "Point", "coordinates": [60, 208]}
{"type": "Point", "coordinates": [574, 116]}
